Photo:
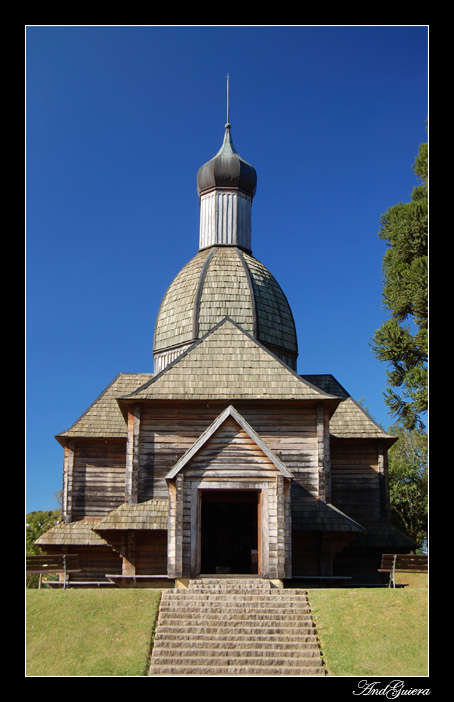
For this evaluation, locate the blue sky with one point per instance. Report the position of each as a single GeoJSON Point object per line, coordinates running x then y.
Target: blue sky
{"type": "Point", "coordinates": [118, 121]}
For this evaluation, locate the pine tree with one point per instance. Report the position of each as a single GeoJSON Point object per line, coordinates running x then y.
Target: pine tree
{"type": "Point", "coordinates": [402, 341]}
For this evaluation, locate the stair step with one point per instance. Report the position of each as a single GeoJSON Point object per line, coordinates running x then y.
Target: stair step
{"type": "Point", "coordinates": [226, 616]}
{"type": "Point", "coordinates": [262, 601]}
{"type": "Point", "coordinates": [240, 585]}
{"type": "Point", "coordinates": [267, 596]}
{"type": "Point", "coordinates": [222, 626]}
{"type": "Point", "coordinates": [238, 647]}
{"type": "Point", "coordinates": [275, 606]}
{"type": "Point", "coordinates": [246, 607]}
{"type": "Point", "coordinates": [236, 660]}
{"type": "Point", "coordinates": [238, 630]}
{"type": "Point", "coordinates": [180, 637]}
{"type": "Point", "coordinates": [200, 670]}
{"type": "Point", "coordinates": [234, 595]}
{"type": "Point", "coordinates": [235, 631]}
{"type": "Point", "coordinates": [238, 654]}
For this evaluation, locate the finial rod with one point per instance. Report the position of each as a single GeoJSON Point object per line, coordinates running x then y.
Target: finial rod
{"type": "Point", "coordinates": [228, 99]}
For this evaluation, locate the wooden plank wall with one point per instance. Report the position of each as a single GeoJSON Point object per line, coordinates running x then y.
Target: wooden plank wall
{"type": "Point", "coordinates": [151, 552]}
{"type": "Point", "coordinates": [356, 478]}
{"type": "Point", "coordinates": [98, 477]}
{"type": "Point", "coordinates": [166, 434]}
{"type": "Point", "coordinates": [231, 453]}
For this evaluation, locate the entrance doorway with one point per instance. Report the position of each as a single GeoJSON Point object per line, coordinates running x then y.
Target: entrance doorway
{"type": "Point", "coordinates": [230, 521]}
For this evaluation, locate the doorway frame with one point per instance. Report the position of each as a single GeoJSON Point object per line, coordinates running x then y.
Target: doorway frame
{"type": "Point", "coordinates": [199, 487]}
{"type": "Point", "coordinates": [204, 490]}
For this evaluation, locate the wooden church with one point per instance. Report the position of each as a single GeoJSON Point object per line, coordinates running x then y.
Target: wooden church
{"type": "Point", "coordinates": [225, 460]}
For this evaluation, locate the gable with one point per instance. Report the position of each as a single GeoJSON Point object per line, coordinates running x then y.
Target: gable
{"type": "Point", "coordinates": [230, 444]}
{"type": "Point", "coordinates": [228, 364]}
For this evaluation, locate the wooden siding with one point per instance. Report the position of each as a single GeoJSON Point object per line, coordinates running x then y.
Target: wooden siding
{"type": "Point", "coordinates": [167, 432]}
{"type": "Point", "coordinates": [291, 433]}
{"type": "Point", "coordinates": [231, 453]}
{"type": "Point", "coordinates": [98, 477]}
{"type": "Point", "coordinates": [225, 218]}
{"type": "Point", "coordinates": [151, 553]}
{"type": "Point", "coordinates": [357, 479]}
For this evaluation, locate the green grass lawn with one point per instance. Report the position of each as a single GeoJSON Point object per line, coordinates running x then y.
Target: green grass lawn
{"type": "Point", "coordinates": [375, 632]}
{"type": "Point", "coordinates": [90, 632]}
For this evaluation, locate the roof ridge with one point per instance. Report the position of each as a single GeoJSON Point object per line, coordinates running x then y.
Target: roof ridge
{"type": "Point", "coordinates": [212, 332]}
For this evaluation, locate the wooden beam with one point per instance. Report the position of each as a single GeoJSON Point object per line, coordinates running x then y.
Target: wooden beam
{"type": "Point", "coordinates": [132, 456]}
{"type": "Point", "coordinates": [321, 452]}
{"type": "Point", "coordinates": [68, 468]}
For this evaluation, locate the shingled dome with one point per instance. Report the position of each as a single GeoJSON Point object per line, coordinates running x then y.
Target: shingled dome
{"type": "Point", "coordinates": [224, 282]}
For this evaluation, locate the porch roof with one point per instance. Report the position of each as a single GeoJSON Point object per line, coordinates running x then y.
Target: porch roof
{"type": "Point", "coordinates": [144, 515]}
{"type": "Point", "coordinates": [78, 533]}
{"type": "Point", "coordinates": [312, 514]}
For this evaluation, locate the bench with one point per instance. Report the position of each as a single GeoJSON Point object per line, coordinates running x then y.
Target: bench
{"type": "Point", "coordinates": [134, 580]}
{"type": "Point", "coordinates": [62, 563]}
{"type": "Point", "coordinates": [393, 563]}
{"type": "Point", "coordinates": [54, 585]}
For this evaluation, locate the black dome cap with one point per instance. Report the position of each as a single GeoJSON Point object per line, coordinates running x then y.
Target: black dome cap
{"type": "Point", "coordinates": [227, 170]}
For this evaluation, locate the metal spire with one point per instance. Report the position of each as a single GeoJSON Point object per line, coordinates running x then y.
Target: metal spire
{"type": "Point", "coordinates": [228, 100]}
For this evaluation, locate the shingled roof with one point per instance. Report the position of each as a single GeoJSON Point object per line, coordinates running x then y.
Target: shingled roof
{"type": "Point", "coordinates": [384, 536]}
{"type": "Point", "coordinates": [103, 417]}
{"type": "Point", "coordinates": [146, 515]}
{"type": "Point", "coordinates": [312, 514]}
{"type": "Point", "coordinates": [75, 534]}
{"type": "Point", "coordinates": [228, 364]}
{"type": "Point", "coordinates": [349, 420]}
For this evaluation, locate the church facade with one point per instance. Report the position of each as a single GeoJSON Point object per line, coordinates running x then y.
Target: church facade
{"type": "Point", "coordinates": [225, 460]}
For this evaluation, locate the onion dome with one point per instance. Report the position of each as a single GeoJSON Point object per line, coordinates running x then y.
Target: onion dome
{"type": "Point", "coordinates": [224, 282]}
{"type": "Point", "coordinates": [227, 170]}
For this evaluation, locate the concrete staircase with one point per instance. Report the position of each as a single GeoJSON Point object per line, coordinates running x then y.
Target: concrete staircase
{"type": "Point", "coordinates": [236, 626]}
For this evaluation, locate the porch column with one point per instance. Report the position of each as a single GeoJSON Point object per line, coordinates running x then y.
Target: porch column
{"type": "Point", "coordinates": [284, 528]}
{"type": "Point", "coordinates": [68, 465]}
{"type": "Point", "coordinates": [323, 451]}
{"type": "Point", "coordinates": [128, 553]}
{"type": "Point", "coordinates": [175, 529]}
{"type": "Point", "coordinates": [132, 456]}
